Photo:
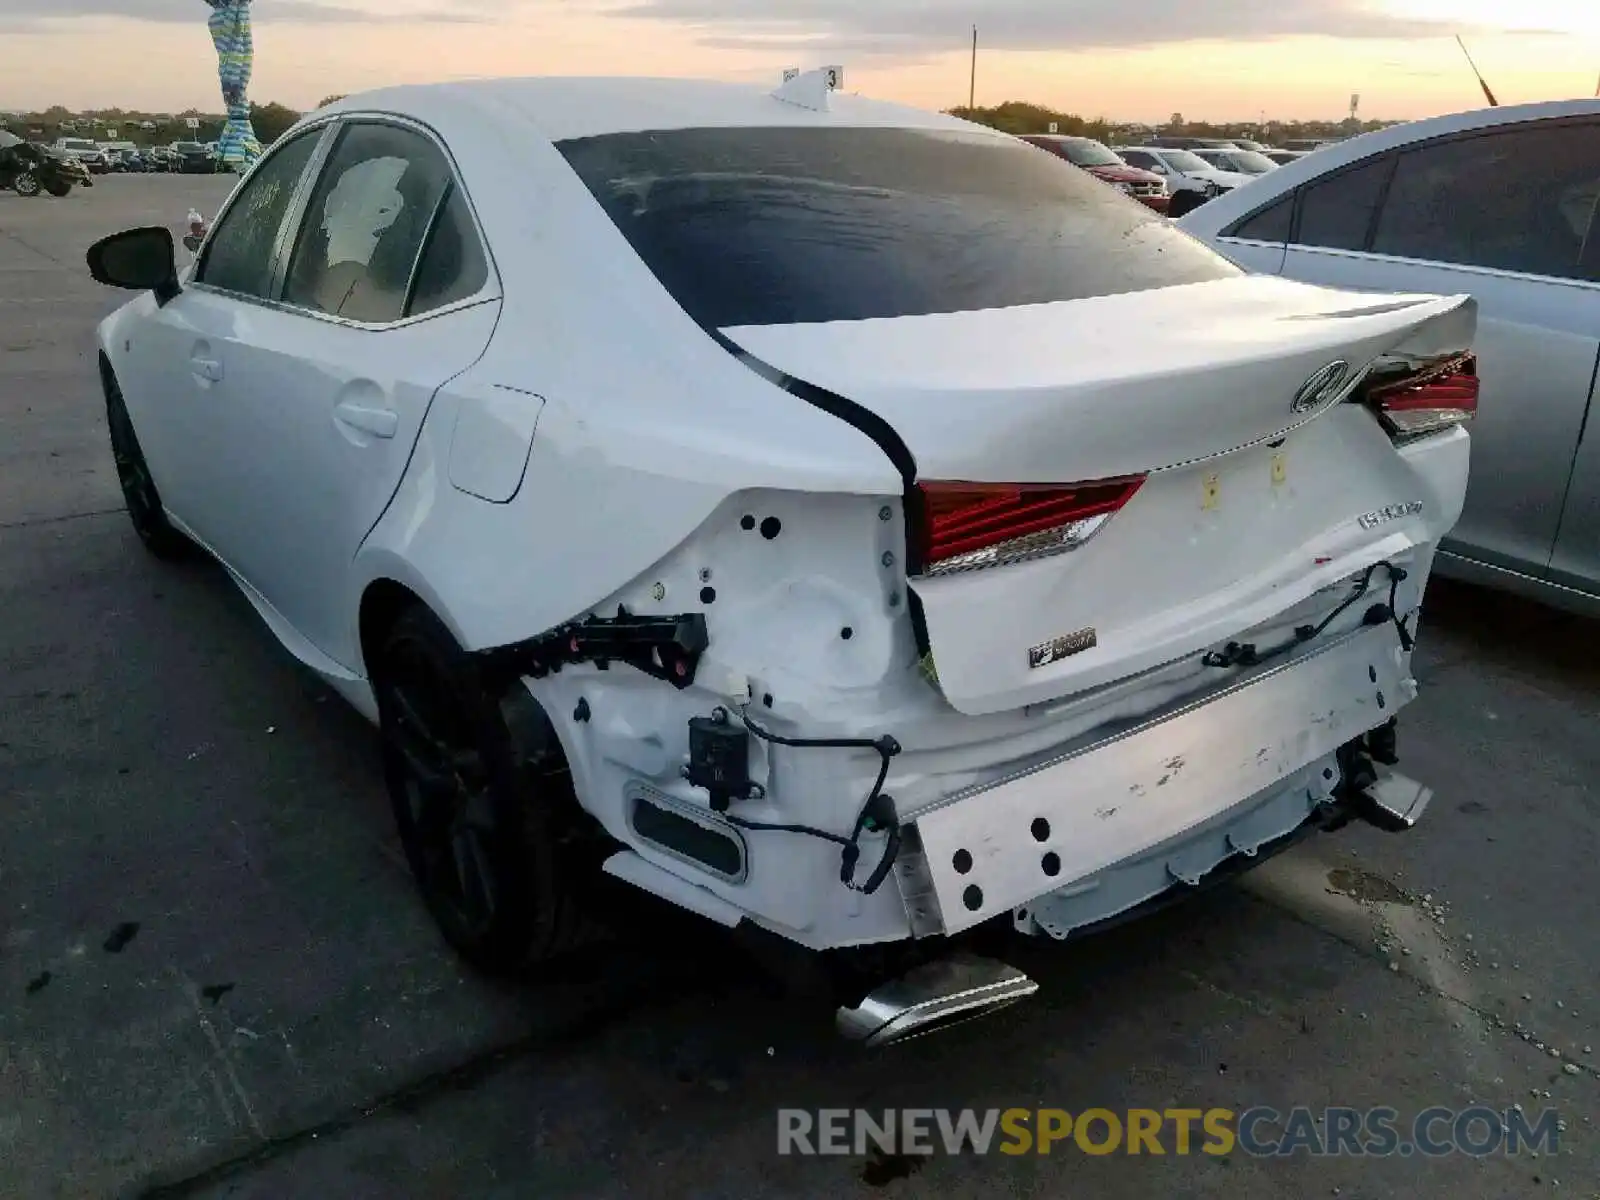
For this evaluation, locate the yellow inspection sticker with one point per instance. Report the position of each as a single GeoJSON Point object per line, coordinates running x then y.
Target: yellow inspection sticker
{"type": "Point", "coordinates": [1210, 491]}
{"type": "Point", "coordinates": [1280, 468]}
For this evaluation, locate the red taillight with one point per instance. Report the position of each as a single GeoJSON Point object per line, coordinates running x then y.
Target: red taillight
{"type": "Point", "coordinates": [968, 526]}
{"type": "Point", "coordinates": [1439, 396]}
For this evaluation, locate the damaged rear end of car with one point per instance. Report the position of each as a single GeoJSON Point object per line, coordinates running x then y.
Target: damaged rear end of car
{"type": "Point", "coordinates": [1138, 612]}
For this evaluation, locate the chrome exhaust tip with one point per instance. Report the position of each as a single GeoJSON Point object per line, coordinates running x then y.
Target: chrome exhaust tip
{"type": "Point", "coordinates": [1393, 802]}
{"type": "Point", "coordinates": [934, 997]}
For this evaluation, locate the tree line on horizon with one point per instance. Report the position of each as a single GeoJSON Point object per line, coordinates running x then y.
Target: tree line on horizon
{"type": "Point", "coordinates": [1013, 116]}
{"type": "Point", "coordinates": [1021, 117]}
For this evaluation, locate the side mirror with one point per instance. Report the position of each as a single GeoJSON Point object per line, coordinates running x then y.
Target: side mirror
{"type": "Point", "coordinates": [141, 260]}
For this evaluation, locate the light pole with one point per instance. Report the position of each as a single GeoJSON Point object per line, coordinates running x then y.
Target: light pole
{"type": "Point", "coordinates": [972, 86]}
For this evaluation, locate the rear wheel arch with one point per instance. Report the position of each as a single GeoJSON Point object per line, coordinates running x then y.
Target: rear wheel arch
{"type": "Point", "coordinates": [385, 600]}
{"type": "Point", "coordinates": [382, 602]}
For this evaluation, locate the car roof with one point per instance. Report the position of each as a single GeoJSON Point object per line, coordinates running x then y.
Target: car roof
{"type": "Point", "coordinates": [562, 108]}
{"type": "Point", "coordinates": [1224, 210]}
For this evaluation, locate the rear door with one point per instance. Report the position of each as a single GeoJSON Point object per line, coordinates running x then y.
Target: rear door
{"type": "Point", "coordinates": [1503, 215]}
{"type": "Point", "coordinates": [384, 293]}
{"type": "Point", "coordinates": [1576, 562]}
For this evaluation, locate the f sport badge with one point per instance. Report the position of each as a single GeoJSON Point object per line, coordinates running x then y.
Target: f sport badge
{"type": "Point", "coordinates": [1056, 649]}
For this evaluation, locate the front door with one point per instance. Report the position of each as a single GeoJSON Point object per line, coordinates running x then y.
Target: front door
{"type": "Point", "coordinates": [177, 391]}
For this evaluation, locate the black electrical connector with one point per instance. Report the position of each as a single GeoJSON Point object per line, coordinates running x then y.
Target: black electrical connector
{"type": "Point", "coordinates": [714, 754]}
{"type": "Point", "coordinates": [719, 759]}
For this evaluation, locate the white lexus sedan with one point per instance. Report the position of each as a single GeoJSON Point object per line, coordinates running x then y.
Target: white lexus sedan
{"type": "Point", "coordinates": [827, 516]}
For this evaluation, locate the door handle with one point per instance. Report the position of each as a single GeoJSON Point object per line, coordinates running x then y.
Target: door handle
{"type": "Point", "coordinates": [206, 368]}
{"type": "Point", "coordinates": [379, 422]}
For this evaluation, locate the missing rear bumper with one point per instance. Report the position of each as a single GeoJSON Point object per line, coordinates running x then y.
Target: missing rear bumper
{"type": "Point", "coordinates": [1250, 763]}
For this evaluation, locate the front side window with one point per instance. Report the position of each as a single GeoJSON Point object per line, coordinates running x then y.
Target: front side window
{"type": "Point", "coordinates": [239, 256]}
{"type": "Point", "coordinates": [1336, 212]}
{"type": "Point", "coordinates": [366, 223]}
{"type": "Point", "coordinates": [769, 226]}
{"type": "Point", "coordinates": [1516, 200]}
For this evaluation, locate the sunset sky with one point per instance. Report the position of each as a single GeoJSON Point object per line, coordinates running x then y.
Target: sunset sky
{"type": "Point", "coordinates": [1126, 59]}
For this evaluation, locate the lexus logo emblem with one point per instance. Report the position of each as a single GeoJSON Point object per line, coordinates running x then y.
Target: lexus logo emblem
{"type": "Point", "coordinates": [1320, 388]}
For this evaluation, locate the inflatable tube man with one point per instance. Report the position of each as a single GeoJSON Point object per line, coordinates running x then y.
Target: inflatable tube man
{"type": "Point", "coordinates": [230, 33]}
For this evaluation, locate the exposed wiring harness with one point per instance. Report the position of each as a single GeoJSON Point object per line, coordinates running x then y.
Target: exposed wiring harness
{"type": "Point", "coordinates": [876, 815]}
{"type": "Point", "coordinates": [1245, 654]}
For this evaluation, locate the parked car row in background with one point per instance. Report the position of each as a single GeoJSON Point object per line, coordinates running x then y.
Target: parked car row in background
{"type": "Point", "coordinates": [104, 158]}
{"type": "Point", "coordinates": [1171, 175]}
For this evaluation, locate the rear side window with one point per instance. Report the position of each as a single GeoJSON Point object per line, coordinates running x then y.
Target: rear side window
{"type": "Point", "coordinates": [1270, 224]}
{"type": "Point", "coordinates": [1521, 200]}
{"type": "Point", "coordinates": [366, 222]}
{"type": "Point", "coordinates": [759, 226]}
{"type": "Point", "coordinates": [1337, 212]}
{"type": "Point", "coordinates": [452, 266]}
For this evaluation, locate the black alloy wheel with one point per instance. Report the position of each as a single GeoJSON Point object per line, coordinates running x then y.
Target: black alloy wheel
{"type": "Point", "coordinates": [482, 826]}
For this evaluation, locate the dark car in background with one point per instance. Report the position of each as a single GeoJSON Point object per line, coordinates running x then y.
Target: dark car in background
{"type": "Point", "coordinates": [28, 168]}
{"type": "Point", "coordinates": [1100, 161]}
{"type": "Point", "coordinates": [194, 158]}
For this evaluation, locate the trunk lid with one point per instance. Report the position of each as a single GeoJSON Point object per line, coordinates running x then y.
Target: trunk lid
{"type": "Point", "coordinates": [1256, 480]}
{"type": "Point", "coordinates": [1093, 389]}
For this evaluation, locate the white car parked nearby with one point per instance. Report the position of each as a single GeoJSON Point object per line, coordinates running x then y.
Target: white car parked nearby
{"type": "Point", "coordinates": [1184, 170]}
{"type": "Point", "coordinates": [1500, 203]}
{"type": "Point", "coordinates": [827, 516]}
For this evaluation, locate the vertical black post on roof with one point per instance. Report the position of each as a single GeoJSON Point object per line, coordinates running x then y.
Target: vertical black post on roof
{"type": "Point", "coordinates": [972, 87]}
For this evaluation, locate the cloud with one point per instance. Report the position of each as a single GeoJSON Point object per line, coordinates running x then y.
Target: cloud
{"type": "Point", "coordinates": [35, 13]}
{"type": "Point", "coordinates": [922, 26]}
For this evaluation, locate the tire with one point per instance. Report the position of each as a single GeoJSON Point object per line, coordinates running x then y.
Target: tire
{"type": "Point", "coordinates": [1185, 202]}
{"type": "Point", "coordinates": [26, 184]}
{"type": "Point", "coordinates": [58, 188]}
{"type": "Point", "coordinates": [138, 488]}
{"type": "Point", "coordinates": [488, 828]}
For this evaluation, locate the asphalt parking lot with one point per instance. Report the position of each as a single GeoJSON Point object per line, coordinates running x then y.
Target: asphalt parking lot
{"type": "Point", "coordinates": [215, 979]}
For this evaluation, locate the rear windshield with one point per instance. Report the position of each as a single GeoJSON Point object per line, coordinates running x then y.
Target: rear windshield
{"type": "Point", "coordinates": [793, 225]}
